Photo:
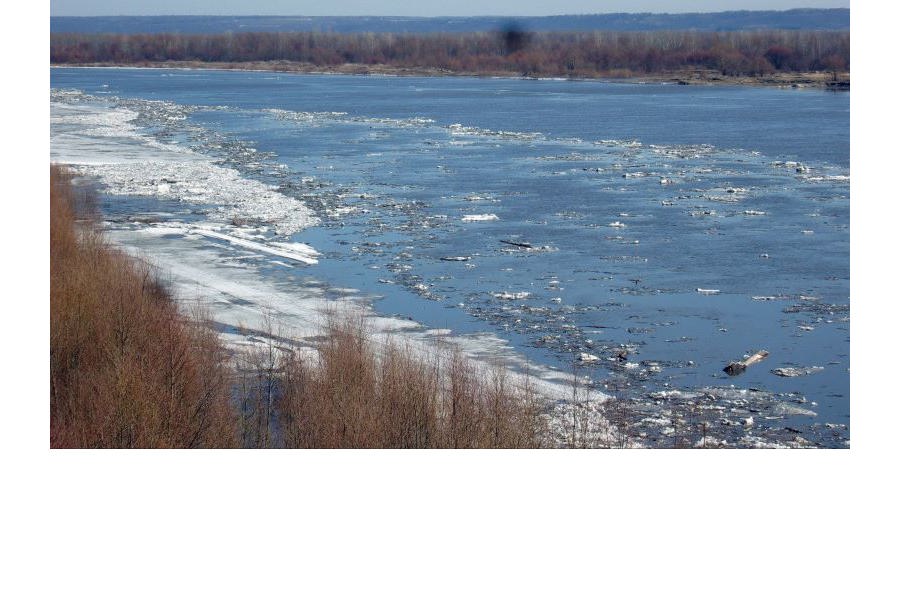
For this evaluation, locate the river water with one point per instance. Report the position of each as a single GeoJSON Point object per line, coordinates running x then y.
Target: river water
{"type": "Point", "coordinates": [642, 235]}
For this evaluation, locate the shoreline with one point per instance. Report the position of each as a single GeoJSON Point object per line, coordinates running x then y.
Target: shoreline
{"type": "Point", "coordinates": [245, 306]}
{"type": "Point", "coordinates": [817, 80]}
{"type": "Point", "coordinates": [212, 383]}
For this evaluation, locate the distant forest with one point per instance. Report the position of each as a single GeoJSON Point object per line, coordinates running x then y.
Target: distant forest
{"type": "Point", "coordinates": [586, 54]}
{"type": "Point", "coordinates": [740, 20]}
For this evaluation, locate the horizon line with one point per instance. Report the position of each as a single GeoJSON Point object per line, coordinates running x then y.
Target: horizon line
{"type": "Point", "coordinates": [481, 16]}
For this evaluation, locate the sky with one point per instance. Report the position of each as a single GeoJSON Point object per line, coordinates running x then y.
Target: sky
{"type": "Point", "coordinates": [425, 8]}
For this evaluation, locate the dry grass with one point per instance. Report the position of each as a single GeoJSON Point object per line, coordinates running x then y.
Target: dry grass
{"type": "Point", "coordinates": [127, 370]}
{"type": "Point", "coordinates": [357, 393]}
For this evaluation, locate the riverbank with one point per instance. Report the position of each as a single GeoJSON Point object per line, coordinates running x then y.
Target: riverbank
{"type": "Point", "coordinates": [127, 370]}
{"type": "Point", "coordinates": [146, 353]}
{"type": "Point", "coordinates": [811, 79]}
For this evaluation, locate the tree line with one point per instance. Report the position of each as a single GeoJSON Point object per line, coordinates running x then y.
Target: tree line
{"type": "Point", "coordinates": [583, 54]}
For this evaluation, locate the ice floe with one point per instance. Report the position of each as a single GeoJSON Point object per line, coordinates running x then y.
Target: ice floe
{"type": "Point", "coordinates": [325, 117]}
{"type": "Point", "coordinates": [796, 371]}
{"type": "Point", "coordinates": [458, 129]}
{"type": "Point", "coordinates": [484, 217]}
{"type": "Point", "coordinates": [130, 163]}
{"type": "Point", "coordinates": [511, 295]}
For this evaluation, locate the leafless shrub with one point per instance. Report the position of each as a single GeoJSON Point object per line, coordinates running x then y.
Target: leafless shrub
{"type": "Point", "coordinates": [127, 370]}
{"type": "Point", "coordinates": [358, 393]}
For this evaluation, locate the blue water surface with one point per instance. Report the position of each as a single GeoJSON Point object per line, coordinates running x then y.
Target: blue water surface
{"type": "Point", "coordinates": [632, 197]}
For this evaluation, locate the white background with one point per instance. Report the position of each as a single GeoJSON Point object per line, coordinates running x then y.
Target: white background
{"type": "Point", "coordinates": [548, 524]}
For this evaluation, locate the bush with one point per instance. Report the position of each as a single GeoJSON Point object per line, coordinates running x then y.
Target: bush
{"type": "Point", "coordinates": [127, 370]}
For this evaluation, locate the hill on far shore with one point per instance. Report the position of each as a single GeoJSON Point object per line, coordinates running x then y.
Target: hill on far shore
{"type": "Point", "coordinates": [796, 19]}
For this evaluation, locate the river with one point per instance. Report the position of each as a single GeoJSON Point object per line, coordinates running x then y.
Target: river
{"type": "Point", "coordinates": [641, 235]}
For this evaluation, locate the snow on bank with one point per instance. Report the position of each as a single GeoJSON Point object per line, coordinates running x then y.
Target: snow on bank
{"type": "Point", "coordinates": [245, 304]}
{"type": "Point", "coordinates": [233, 197]}
{"type": "Point", "coordinates": [246, 238]}
{"type": "Point", "coordinates": [103, 142]}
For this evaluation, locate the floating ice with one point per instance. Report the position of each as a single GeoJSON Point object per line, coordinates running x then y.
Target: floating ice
{"type": "Point", "coordinates": [295, 251]}
{"type": "Point", "coordinates": [129, 163]}
{"type": "Point", "coordinates": [511, 295]}
{"type": "Point", "coordinates": [458, 129]}
{"type": "Point", "coordinates": [485, 217]}
{"type": "Point", "coordinates": [325, 117]}
{"type": "Point", "coordinates": [479, 198]}
{"type": "Point", "coordinates": [796, 371]}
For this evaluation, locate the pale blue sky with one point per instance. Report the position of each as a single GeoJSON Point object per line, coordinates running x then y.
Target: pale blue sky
{"type": "Point", "coordinates": [418, 8]}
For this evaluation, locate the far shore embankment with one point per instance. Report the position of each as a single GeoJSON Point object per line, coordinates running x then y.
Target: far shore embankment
{"type": "Point", "coordinates": [800, 79]}
{"type": "Point", "coordinates": [785, 58]}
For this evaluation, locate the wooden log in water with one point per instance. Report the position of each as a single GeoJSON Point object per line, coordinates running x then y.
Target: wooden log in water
{"type": "Point", "coordinates": [739, 366]}
{"type": "Point", "coordinates": [519, 244]}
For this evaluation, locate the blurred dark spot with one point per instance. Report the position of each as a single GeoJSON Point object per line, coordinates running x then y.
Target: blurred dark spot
{"type": "Point", "coordinates": [514, 37]}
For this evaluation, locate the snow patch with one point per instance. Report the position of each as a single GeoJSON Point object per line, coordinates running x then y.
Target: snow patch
{"type": "Point", "coordinates": [130, 163]}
